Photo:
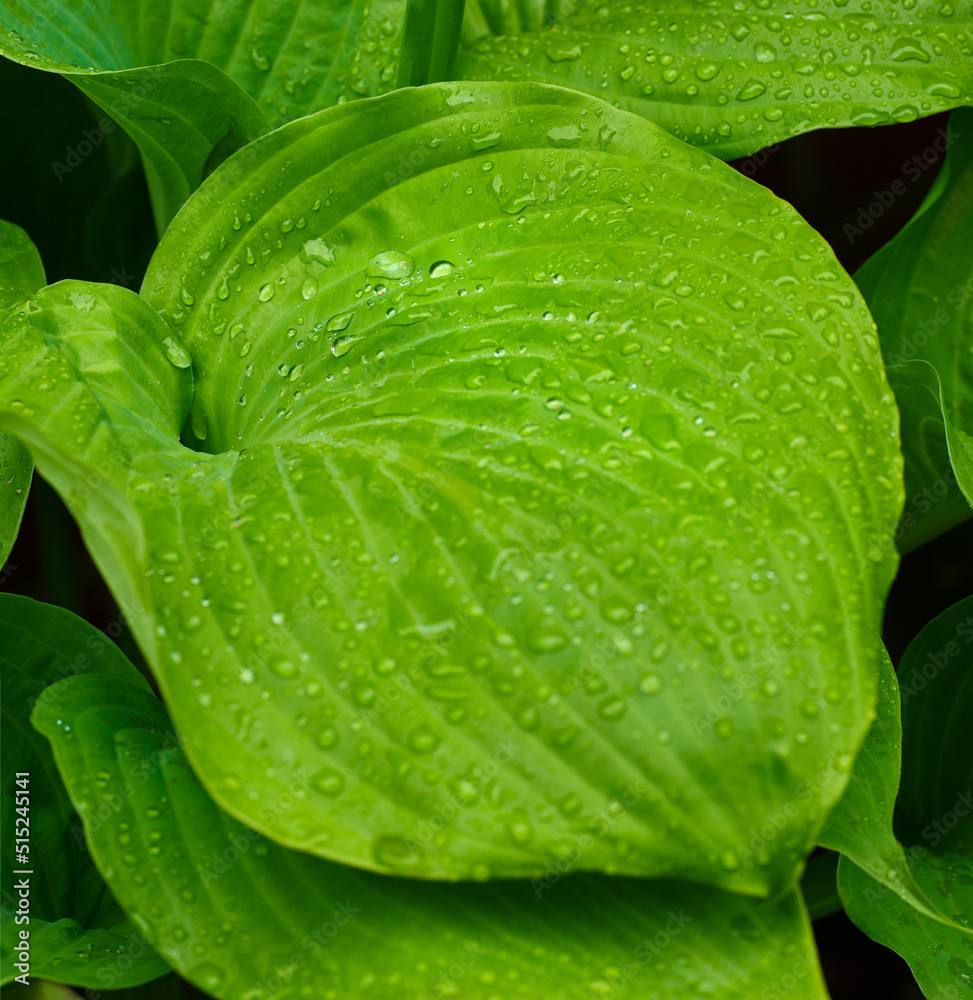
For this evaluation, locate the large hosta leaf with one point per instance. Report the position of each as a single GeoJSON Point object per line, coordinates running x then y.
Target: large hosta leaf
{"type": "Point", "coordinates": [247, 919]}
{"type": "Point", "coordinates": [530, 502]}
{"type": "Point", "coordinates": [21, 274]}
{"type": "Point", "coordinates": [920, 290]}
{"type": "Point", "coordinates": [734, 77]}
{"type": "Point", "coordinates": [935, 813]}
{"type": "Point", "coordinates": [77, 934]}
{"type": "Point", "coordinates": [185, 79]}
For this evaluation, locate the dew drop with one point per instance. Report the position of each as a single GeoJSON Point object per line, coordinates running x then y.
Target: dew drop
{"type": "Point", "coordinates": [391, 264]}
{"type": "Point", "coordinates": [441, 269]}
{"type": "Point", "coordinates": [176, 353]}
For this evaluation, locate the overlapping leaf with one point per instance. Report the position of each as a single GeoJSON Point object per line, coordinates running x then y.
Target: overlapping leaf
{"type": "Point", "coordinates": [244, 918]}
{"type": "Point", "coordinates": [184, 78]}
{"type": "Point", "coordinates": [735, 77]}
{"type": "Point", "coordinates": [937, 764]}
{"type": "Point", "coordinates": [430, 39]}
{"type": "Point", "coordinates": [507, 17]}
{"type": "Point", "coordinates": [514, 469]}
{"type": "Point", "coordinates": [920, 290]}
{"type": "Point", "coordinates": [935, 813]}
{"type": "Point", "coordinates": [860, 826]}
{"type": "Point", "coordinates": [77, 934]}
{"type": "Point", "coordinates": [21, 274]}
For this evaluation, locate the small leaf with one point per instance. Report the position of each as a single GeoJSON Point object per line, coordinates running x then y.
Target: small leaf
{"type": "Point", "coordinates": [934, 814]}
{"type": "Point", "coordinates": [430, 39]}
{"type": "Point", "coordinates": [734, 81]}
{"type": "Point", "coordinates": [938, 955]}
{"type": "Point", "coordinates": [77, 935]}
{"type": "Point", "coordinates": [243, 917]}
{"type": "Point", "coordinates": [21, 274]}
{"type": "Point", "coordinates": [171, 74]}
{"type": "Point", "coordinates": [920, 290]}
{"type": "Point", "coordinates": [936, 680]}
{"type": "Point", "coordinates": [860, 825]}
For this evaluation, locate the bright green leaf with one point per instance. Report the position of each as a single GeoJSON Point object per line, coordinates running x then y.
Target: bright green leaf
{"type": "Point", "coordinates": [178, 113]}
{"type": "Point", "coordinates": [860, 826]}
{"type": "Point", "coordinates": [935, 813]}
{"type": "Point", "coordinates": [244, 918]}
{"type": "Point", "coordinates": [735, 80]}
{"type": "Point", "coordinates": [920, 290]}
{"type": "Point", "coordinates": [16, 468]}
{"type": "Point", "coordinates": [21, 274]}
{"type": "Point", "coordinates": [180, 77]}
{"type": "Point", "coordinates": [939, 956]}
{"type": "Point", "coordinates": [507, 461]}
{"type": "Point", "coordinates": [76, 932]}
{"type": "Point", "coordinates": [21, 270]}
{"type": "Point", "coordinates": [130, 403]}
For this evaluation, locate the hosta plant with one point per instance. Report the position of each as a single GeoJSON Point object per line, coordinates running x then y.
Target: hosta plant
{"type": "Point", "coordinates": [503, 493]}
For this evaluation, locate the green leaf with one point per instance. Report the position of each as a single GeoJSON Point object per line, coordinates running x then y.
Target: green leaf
{"type": "Point", "coordinates": [936, 678]}
{"type": "Point", "coordinates": [123, 385]}
{"type": "Point", "coordinates": [935, 813]}
{"type": "Point", "coordinates": [16, 469]}
{"type": "Point", "coordinates": [920, 290]}
{"type": "Point", "coordinates": [177, 76]}
{"type": "Point", "coordinates": [242, 917]}
{"type": "Point", "coordinates": [507, 17]}
{"type": "Point", "coordinates": [21, 274]}
{"type": "Point", "coordinates": [178, 113]}
{"type": "Point", "coordinates": [97, 958]}
{"type": "Point", "coordinates": [505, 467]}
{"type": "Point", "coordinates": [939, 956]}
{"type": "Point", "coordinates": [166, 988]}
{"type": "Point", "coordinates": [70, 150]}
{"type": "Point", "coordinates": [77, 935]}
{"type": "Point", "coordinates": [21, 270]}
{"type": "Point", "coordinates": [860, 826]}
{"type": "Point", "coordinates": [430, 40]}
{"type": "Point", "coordinates": [734, 81]}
